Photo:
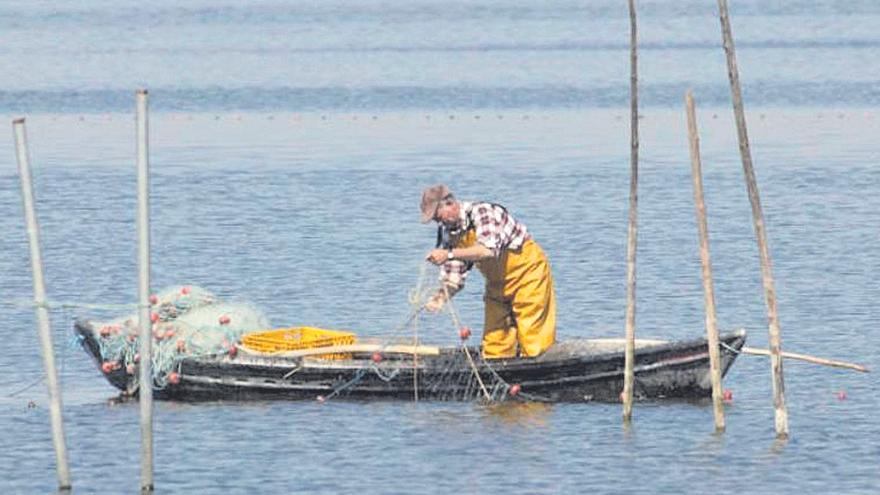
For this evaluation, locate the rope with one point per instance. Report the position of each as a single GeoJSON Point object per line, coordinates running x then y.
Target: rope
{"type": "Point", "coordinates": [731, 349]}
{"type": "Point", "coordinates": [27, 387]}
{"type": "Point", "coordinates": [27, 303]}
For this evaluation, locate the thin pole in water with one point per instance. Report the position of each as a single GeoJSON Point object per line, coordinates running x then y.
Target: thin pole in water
{"type": "Point", "coordinates": [708, 286]}
{"type": "Point", "coordinates": [781, 413]}
{"type": "Point", "coordinates": [629, 352]}
{"type": "Point", "coordinates": [42, 312]}
{"type": "Point", "coordinates": [145, 388]}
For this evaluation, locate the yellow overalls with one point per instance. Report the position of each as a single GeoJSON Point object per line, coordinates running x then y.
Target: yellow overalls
{"type": "Point", "coordinates": [519, 299]}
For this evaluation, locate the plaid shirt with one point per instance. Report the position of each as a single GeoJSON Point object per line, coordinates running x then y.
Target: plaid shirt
{"type": "Point", "coordinates": [495, 229]}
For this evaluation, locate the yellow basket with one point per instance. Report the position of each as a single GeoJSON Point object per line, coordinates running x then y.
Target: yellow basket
{"type": "Point", "coordinates": [299, 338]}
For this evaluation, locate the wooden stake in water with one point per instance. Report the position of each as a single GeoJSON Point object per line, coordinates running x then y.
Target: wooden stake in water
{"type": "Point", "coordinates": [775, 341]}
{"type": "Point", "coordinates": [629, 350]}
{"type": "Point", "coordinates": [42, 313]}
{"type": "Point", "coordinates": [145, 390]}
{"type": "Point", "coordinates": [708, 286]}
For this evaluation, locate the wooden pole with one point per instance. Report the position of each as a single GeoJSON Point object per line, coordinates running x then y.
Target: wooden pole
{"type": "Point", "coordinates": [810, 359]}
{"type": "Point", "coordinates": [629, 350]}
{"type": "Point", "coordinates": [775, 341]}
{"type": "Point", "coordinates": [40, 308]}
{"type": "Point", "coordinates": [708, 286]}
{"type": "Point", "coordinates": [145, 389]}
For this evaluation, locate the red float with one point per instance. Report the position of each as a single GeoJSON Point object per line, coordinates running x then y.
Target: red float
{"type": "Point", "coordinates": [841, 395]}
{"type": "Point", "coordinates": [464, 333]}
{"type": "Point", "coordinates": [728, 395]}
{"type": "Point", "coordinates": [224, 320]}
{"type": "Point", "coordinates": [173, 378]}
{"type": "Point", "coordinates": [154, 299]}
{"type": "Point", "coordinates": [514, 389]}
{"type": "Point", "coordinates": [233, 351]}
{"type": "Point", "coordinates": [184, 291]}
{"type": "Point", "coordinates": [106, 367]}
{"type": "Point", "coordinates": [154, 317]}
{"type": "Point", "coordinates": [377, 358]}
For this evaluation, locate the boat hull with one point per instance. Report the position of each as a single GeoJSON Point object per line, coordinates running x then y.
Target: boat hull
{"type": "Point", "coordinates": [573, 371]}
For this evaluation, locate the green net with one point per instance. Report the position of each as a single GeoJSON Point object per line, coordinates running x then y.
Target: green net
{"type": "Point", "coordinates": [186, 321]}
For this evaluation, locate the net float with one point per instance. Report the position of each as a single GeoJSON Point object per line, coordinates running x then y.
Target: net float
{"type": "Point", "coordinates": [464, 333]}
{"type": "Point", "coordinates": [224, 319]}
{"type": "Point", "coordinates": [154, 317]}
{"type": "Point", "coordinates": [106, 367]}
{"type": "Point", "coordinates": [154, 299]}
{"type": "Point", "coordinates": [173, 378]}
{"type": "Point", "coordinates": [233, 351]}
{"type": "Point", "coordinates": [841, 395]}
{"type": "Point", "coordinates": [184, 291]}
{"type": "Point", "coordinates": [377, 358]}
{"type": "Point", "coordinates": [514, 389]}
{"type": "Point", "coordinates": [728, 395]}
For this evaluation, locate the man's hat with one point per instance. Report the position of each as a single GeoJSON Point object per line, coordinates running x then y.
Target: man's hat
{"type": "Point", "coordinates": [431, 199]}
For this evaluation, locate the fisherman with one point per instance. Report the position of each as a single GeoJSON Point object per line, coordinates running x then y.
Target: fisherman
{"type": "Point", "coordinates": [520, 306]}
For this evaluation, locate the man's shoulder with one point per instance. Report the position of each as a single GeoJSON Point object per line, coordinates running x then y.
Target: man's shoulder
{"type": "Point", "coordinates": [485, 206]}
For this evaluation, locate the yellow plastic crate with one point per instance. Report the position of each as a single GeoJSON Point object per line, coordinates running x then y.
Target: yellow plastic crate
{"type": "Point", "coordinates": [299, 338]}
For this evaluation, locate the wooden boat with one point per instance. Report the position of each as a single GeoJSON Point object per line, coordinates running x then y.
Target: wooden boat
{"type": "Point", "coordinates": [570, 371]}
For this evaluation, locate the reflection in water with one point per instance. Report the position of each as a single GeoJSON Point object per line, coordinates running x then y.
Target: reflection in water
{"type": "Point", "coordinates": [778, 446]}
{"type": "Point", "coordinates": [519, 413]}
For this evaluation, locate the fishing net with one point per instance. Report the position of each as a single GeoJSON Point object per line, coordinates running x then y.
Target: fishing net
{"type": "Point", "coordinates": [461, 376]}
{"type": "Point", "coordinates": [187, 321]}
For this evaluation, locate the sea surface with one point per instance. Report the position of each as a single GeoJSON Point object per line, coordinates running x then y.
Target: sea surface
{"type": "Point", "coordinates": [289, 145]}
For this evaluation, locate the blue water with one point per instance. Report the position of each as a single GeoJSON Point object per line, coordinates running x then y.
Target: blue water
{"type": "Point", "coordinates": [289, 146]}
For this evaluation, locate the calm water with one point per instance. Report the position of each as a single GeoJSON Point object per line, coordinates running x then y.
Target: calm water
{"type": "Point", "coordinates": [290, 143]}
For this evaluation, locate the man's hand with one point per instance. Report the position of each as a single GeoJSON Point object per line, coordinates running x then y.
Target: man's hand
{"type": "Point", "coordinates": [435, 303]}
{"type": "Point", "coordinates": [437, 256]}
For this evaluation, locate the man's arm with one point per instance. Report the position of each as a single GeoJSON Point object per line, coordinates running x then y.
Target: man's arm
{"type": "Point", "coordinates": [476, 252]}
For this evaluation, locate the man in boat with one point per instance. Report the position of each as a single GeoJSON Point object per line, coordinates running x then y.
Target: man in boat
{"type": "Point", "coordinates": [520, 306]}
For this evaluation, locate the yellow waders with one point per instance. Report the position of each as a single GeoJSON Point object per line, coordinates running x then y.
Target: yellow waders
{"type": "Point", "coordinates": [519, 298]}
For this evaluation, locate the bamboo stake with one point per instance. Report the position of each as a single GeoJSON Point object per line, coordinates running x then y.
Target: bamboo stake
{"type": "Point", "coordinates": [781, 413]}
{"type": "Point", "coordinates": [708, 286]}
{"type": "Point", "coordinates": [810, 359]}
{"type": "Point", "coordinates": [42, 313]}
{"type": "Point", "coordinates": [145, 390]}
{"type": "Point", "coordinates": [629, 352]}
{"type": "Point", "coordinates": [415, 357]}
